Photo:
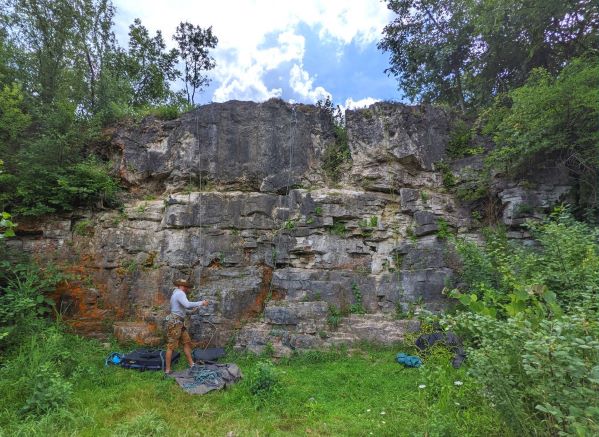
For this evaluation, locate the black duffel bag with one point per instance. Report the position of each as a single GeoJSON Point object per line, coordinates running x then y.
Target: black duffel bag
{"type": "Point", "coordinates": [147, 359]}
{"type": "Point", "coordinates": [211, 354]}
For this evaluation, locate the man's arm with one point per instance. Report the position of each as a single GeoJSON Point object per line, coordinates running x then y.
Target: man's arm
{"type": "Point", "coordinates": [182, 299]}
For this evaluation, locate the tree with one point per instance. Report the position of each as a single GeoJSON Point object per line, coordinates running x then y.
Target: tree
{"type": "Point", "coordinates": [194, 43]}
{"type": "Point", "coordinates": [62, 46]}
{"type": "Point", "coordinates": [42, 30]}
{"type": "Point", "coordinates": [464, 52]}
{"type": "Point", "coordinates": [95, 42]}
{"type": "Point", "coordinates": [430, 42]}
{"type": "Point", "coordinates": [552, 116]}
{"type": "Point", "coordinates": [517, 36]}
{"type": "Point", "coordinates": [149, 66]}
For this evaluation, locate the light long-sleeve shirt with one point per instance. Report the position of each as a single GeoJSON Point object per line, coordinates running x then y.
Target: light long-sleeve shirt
{"type": "Point", "coordinates": [179, 303]}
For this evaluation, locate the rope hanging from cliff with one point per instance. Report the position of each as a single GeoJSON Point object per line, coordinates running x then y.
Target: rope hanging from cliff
{"type": "Point", "coordinates": [200, 186]}
{"type": "Point", "coordinates": [291, 141]}
{"type": "Point", "coordinates": [192, 264]}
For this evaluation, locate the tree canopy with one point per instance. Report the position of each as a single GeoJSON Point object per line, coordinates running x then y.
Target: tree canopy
{"type": "Point", "coordinates": [62, 77]}
{"type": "Point", "coordinates": [465, 52]}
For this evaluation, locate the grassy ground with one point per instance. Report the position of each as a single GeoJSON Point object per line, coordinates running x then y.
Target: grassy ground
{"type": "Point", "coordinates": [359, 392]}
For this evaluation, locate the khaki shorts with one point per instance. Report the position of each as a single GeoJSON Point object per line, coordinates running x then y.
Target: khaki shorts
{"type": "Point", "coordinates": [176, 333]}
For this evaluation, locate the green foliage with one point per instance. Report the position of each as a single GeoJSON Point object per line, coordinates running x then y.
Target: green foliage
{"type": "Point", "coordinates": [543, 375]}
{"type": "Point", "coordinates": [6, 226]}
{"type": "Point", "coordinates": [148, 66]}
{"type": "Point", "coordinates": [114, 401]}
{"type": "Point", "coordinates": [86, 183]}
{"type": "Point", "coordinates": [475, 185]}
{"type": "Point", "coordinates": [447, 177]}
{"type": "Point", "coordinates": [532, 317]}
{"type": "Point", "coordinates": [338, 228]}
{"type": "Point", "coordinates": [40, 373]}
{"type": "Point", "coordinates": [62, 77]}
{"type": "Point", "coordinates": [24, 289]}
{"type": "Point", "coordinates": [357, 307]}
{"type": "Point", "coordinates": [367, 225]}
{"type": "Point", "coordinates": [50, 391]}
{"type": "Point", "coordinates": [461, 141]}
{"type": "Point", "coordinates": [289, 225]}
{"type": "Point", "coordinates": [444, 231]}
{"type": "Point", "coordinates": [504, 279]}
{"type": "Point", "coordinates": [555, 116]}
{"type": "Point", "coordinates": [336, 154]}
{"type": "Point", "coordinates": [13, 119]}
{"type": "Point", "coordinates": [84, 228]}
{"type": "Point", "coordinates": [146, 424]}
{"type": "Point", "coordinates": [334, 317]}
{"type": "Point", "coordinates": [428, 42]}
{"type": "Point", "coordinates": [463, 53]}
{"type": "Point", "coordinates": [194, 43]}
{"type": "Point", "coordinates": [264, 383]}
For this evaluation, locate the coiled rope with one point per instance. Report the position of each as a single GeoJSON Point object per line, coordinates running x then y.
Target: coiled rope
{"type": "Point", "coordinates": [203, 376]}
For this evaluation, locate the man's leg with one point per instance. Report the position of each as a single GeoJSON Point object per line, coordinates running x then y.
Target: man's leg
{"type": "Point", "coordinates": [167, 360]}
{"type": "Point", "coordinates": [173, 332]}
{"type": "Point", "coordinates": [187, 351]}
{"type": "Point", "coordinates": [186, 340]}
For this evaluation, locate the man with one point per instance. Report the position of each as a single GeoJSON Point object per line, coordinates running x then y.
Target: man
{"type": "Point", "coordinates": [175, 322]}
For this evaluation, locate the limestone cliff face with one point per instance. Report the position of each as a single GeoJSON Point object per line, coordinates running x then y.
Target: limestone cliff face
{"type": "Point", "coordinates": [234, 145]}
{"type": "Point", "coordinates": [278, 252]}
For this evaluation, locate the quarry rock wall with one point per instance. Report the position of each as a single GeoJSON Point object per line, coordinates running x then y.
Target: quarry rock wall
{"type": "Point", "coordinates": [236, 196]}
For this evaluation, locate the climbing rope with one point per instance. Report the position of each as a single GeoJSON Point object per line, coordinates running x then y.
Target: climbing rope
{"type": "Point", "coordinates": [292, 131]}
{"type": "Point", "coordinates": [192, 265]}
{"type": "Point", "coordinates": [203, 376]}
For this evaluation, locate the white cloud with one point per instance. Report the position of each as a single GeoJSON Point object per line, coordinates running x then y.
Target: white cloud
{"type": "Point", "coordinates": [243, 78]}
{"type": "Point", "coordinates": [302, 84]}
{"type": "Point", "coordinates": [362, 103]}
{"type": "Point", "coordinates": [243, 27]}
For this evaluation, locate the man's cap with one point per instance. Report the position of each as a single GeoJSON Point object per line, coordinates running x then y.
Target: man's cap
{"type": "Point", "coordinates": [182, 283]}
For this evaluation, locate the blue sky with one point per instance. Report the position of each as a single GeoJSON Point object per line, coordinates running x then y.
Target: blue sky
{"type": "Point", "coordinates": [298, 51]}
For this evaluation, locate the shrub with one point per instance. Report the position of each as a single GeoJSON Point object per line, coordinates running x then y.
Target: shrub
{"type": "Point", "coordinates": [264, 383]}
{"type": "Point", "coordinates": [84, 227]}
{"type": "Point", "coordinates": [336, 153]}
{"type": "Point", "coordinates": [44, 189]}
{"type": "Point", "coordinates": [334, 317]}
{"type": "Point", "coordinates": [50, 391]}
{"type": "Point", "coordinates": [532, 322]}
{"type": "Point", "coordinates": [551, 116]}
{"type": "Point", "coordinates": [545, 373]}
{"type": "Point", "coordinates": [460, 139]}
{"type": "Point", "coordinates": [503, 278]}
{"type": "Point", "coordinates": [6, 226]}
{"type": "Point", "coordinates": [447, 176]}
{"type": "Point", "coordinates": [85, 184]}
{"type": "Point", "coordinates": [24, 288]}
{"type": "Point", "coordinates": [356, 307]}
{"type": "Point", "coordinates": [338, 228]}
